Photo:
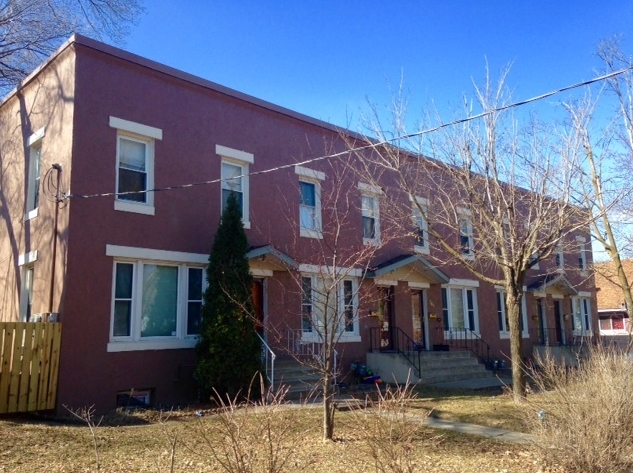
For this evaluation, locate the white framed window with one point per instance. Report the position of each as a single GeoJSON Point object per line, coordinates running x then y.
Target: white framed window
{"type": "Point", "coordinates": [466, 241]}
{"type": "Point", "coordinates": [370, 213]}
{"type": "Point", "coordinates": [420, 208]}
{"type": "Point", "coordinates": [459, 309]}
{"type": "Point", "coordinates": [310, 217]}
{"type": "Point", "coordinates": [502, 315]}
{"type": "Point", "coordinates": [135, 166]}
{"type": "Point", "coordinates": [559, 257]}
{"type": "Point", "coordinates": [234, 169]}
{"type": "Point", "coordinates": [26, 263]}
{"type": "Point", "coordinates": [534, 262]}
{"type": "Point", "coordinates": [581, 315]}
{"type": "Point", "coordinates": [156, 302]}
{"type": "Point", "coordinates": [582, 254]}
{"type": "Point", "coordinates": [34, 144]}
{"type": "Point", "coordinates": [330, 306]}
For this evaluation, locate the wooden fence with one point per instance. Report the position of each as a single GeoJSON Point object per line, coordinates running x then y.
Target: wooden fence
{"type": "Point", "coordinates": [29, 365]}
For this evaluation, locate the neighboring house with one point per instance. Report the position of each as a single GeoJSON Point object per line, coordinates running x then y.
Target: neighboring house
{"type": "Point", "coordinates": [123, 269]}
{"type": "Point", "coordinates": [614, 320]}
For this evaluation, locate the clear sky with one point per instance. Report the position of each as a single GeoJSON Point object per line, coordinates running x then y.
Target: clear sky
{"type": "Point", "coordinates": [328, 58]}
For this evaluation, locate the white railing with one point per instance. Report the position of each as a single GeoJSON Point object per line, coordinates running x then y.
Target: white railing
{"type": "Point", "coordinates": [268, 359]}
{"type": "Point", "coordinates": [309, 345]}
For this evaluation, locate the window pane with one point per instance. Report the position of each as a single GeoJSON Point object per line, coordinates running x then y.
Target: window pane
{"type": "Point", "coordinates": [307, 217]}
{"type": "Point", "coordinates": [132, 181]}
{"type": "Point", "coordinates": [308, 195]}
{"type": "Point", "coordinates": [122, 318]}
{"type": "Point", "coordinates": [471, 308]}
{"type": "Point", "coordinates": [194, 301]}
{"type": "Point", "coordinates": [348, 300]}
{"type": "Point", "coordinates": [230, 180]}
{"type": "Point", "coordinates": [306, 304]}
{"type": "Point", "coordinates": [500, 313]}
{"type": "Point", "coordinates": [132, 155]}
{"type": "Point", "coordinates": [368, 206]}
{"type": "Point", "coordinates": [225, 199]}
{"type": "Point", "coordinates": [445, 308]}
{"type": "Point", "coordinates": [160, 296]}
{"type": "Point", "coordinates": [457, 309]}
{"type": "Point", "coordinates": [369, 228]}
{"type": "Point", "coordinates": [36, 177]}
{"type": "Point", "coordinates": [123, 284]}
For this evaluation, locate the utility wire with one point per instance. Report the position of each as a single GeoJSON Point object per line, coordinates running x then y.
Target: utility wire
{"type": "Point", "coordinates": [372, 144]}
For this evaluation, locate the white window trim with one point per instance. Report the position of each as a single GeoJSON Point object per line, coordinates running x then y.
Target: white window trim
{"type": "Point", "coordinates": [466, 214]}
{"type": "Point", "coordinates": [33, 142]}
{"type": "Point", "coordinates": [313, 177]}
{"type": "Point", "coordinates": [146, 134]}
{"type": "Point", "coordinates": [343, 336]}
{"type": "Point", "coordinates": [424, 203]}
{"type": "Point", "coordinates": [243, 160]}
{"type": "Point", "coordinates": [505, 334]}
{"type": "Point", "coordinates": [374, 192]}
{"type": "Point", "coordinates": [463, 287]}
{"type": "Point", "coordinates": [535, 256]}
{"type": "Point", "coordinates": [139, 257]}
{"type": "Point", "coordinates": [25, 262]}
{"type": "Point", "coordinates": [582, 255]}
{"type": "Point", "coordinates": [561, 258]}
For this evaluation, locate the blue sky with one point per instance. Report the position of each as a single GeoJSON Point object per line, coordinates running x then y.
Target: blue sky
{"type": "Point", "coordinates": [327, 59]}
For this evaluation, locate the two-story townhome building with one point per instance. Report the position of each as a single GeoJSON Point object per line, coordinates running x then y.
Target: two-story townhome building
{"type": "Point", "coordinates": [114, 171]}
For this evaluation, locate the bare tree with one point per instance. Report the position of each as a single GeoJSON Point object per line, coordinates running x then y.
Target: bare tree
{"type": "Point", "coordinates": [607, 149]}
{"type": "Point", "coordinates": [332, 284]}
{"type": "Point", "coordinates": [30, 30]}
{"type": "Point", "coordinates": [495, 198]}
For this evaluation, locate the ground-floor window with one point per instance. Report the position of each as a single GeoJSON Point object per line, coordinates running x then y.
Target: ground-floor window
{"type": "Point", "coordinates": [459, 309]}
{"type": "Point", "coordinates": [502, 315]}
{"type": "Point", "coordinates": [153, 300]}
{"type": "Point", "coordinates": [329, 307]}
{"type": "Point", "coordinates": [581, 313]}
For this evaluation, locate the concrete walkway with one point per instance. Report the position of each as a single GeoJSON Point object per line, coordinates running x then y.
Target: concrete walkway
{"type": "Point", "coordinates": [473, 429]}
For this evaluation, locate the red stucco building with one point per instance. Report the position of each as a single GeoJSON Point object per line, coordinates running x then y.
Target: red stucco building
{"type": "Point", "coordinates": [123, 268]}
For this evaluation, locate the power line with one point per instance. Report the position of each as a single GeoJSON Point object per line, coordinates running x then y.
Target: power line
{"type": "Point", "coordinates": [372, 144]}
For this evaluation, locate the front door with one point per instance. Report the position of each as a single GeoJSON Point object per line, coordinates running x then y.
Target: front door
{"type": "Point", "coordinates": [258, 305]}
{"type": "Point", "coordinates": [386, 332]}
{"type": "Point", "coordinates": [542, 325]}
{"type": "Point", "coordinates": [558, 320]}
{"type": "Point", "coordinates": [418, 316]}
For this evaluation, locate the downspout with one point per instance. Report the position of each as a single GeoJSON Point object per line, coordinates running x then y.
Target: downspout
{"type": "Point", "coordinates": [57, 201]}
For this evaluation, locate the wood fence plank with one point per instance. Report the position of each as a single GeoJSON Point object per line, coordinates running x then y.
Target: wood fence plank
{"type": "Point", "coordinates": [51, 397]}
{"type": "Point", "coordinates": [36, 360]}
{"type": "Point", "coordinates": [5, 374]}
{"type": "Point", "coordinates": [45, 367]}
{"type": "Point", "coordinates": [16, 365]}
{"type": "Point", "coordinates": [25, 369]}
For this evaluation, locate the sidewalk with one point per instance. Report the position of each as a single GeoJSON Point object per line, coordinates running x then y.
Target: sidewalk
{"type": "Point", "coordinates": [473, 429]}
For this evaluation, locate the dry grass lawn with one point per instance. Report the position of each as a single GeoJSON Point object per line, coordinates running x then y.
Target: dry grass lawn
{"type": "Point", "coordinates": [30, 444]}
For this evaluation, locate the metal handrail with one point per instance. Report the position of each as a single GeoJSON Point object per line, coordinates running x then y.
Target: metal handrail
{"type": "Point", "coordinates": [299, 347]}
{"type": "Point", "coordinates": [403, 345]}
{"type": "Point", "coordinates": [268, 359]}
{"type": "Point", "coordinates": [466, 338]}
{"type": "Point", "coordinates": [551, 336]}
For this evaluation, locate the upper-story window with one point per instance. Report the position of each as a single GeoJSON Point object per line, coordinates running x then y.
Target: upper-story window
{"type": "Point", "coordinates": [135, 166]}
{"type": "Point", "coordinates": [466, 241]}
{"type": "Point", "coordinates": [420, 224]}
{"type": "Point", "coordinates": [582, 253]}
{"type": "Point", "coordinates": [34, 144]}
{"type": "Point", "coordinates": [370, 213]}
{"type": "Point", "coordinates": [559, 257]}
{"type": "Point", "coordinates": [310, 220]}
{"type": "Point", "coordinates": [235, 178]}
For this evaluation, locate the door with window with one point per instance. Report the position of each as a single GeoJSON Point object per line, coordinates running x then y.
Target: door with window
{"type": "Point", "coordinates": [418, 317]}
{"type": "Point", "coordinates": [559, 323]}
{"type": "Point", "coordinates": [386, 319]}
{"type": "Point", "coordinates": [542, 321]}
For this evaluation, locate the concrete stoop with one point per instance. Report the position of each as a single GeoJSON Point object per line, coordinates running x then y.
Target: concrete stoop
{"type": "Point", "coordinates": [300, 380]}
{"type": "Point", "coordinates": [436, 367]}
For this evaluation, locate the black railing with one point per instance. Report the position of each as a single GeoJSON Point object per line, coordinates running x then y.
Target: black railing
{"type": "Point", "coordinates": [469, 340]}
{"type": "Point", "coordinates": [397, 342]}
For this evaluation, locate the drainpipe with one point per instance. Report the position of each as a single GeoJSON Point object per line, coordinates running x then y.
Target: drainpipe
{"type": "Point", "coordinates": [58, 168]}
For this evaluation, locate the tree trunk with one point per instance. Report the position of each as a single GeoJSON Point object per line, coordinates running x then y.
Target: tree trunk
{"type": "Point", "coordinates": [513, 306]}
{"type": "Point", "coordinates": [328, 409]}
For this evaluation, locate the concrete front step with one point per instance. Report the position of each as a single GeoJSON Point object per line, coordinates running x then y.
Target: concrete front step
{"type": "Point", "coordinates": [436, 367]}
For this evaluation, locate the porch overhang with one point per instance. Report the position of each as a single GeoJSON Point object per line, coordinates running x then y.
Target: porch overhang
{"type": "Point", "coordinates": [555, 283]}
{"type": "Point", "coordinates": [408, 268]}
{"type": "Point", "coordinates": [267, 258]}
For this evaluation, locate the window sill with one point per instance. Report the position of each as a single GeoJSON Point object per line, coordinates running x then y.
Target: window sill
{"type": "Point", "coordinates": [31, 214]}
{"type": "Point", "coordinates": [421, 249]}
{"type": "Point", "coordinates": [115, 347]}
{"type": "Point", "coordinates": [371, 242]}
{"type": "Point", "coordinates": [133, 207]}
{"type": "Point", "coordinates": [306, 232]}
{"type": "Point", "coordinates": [506, 335]}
